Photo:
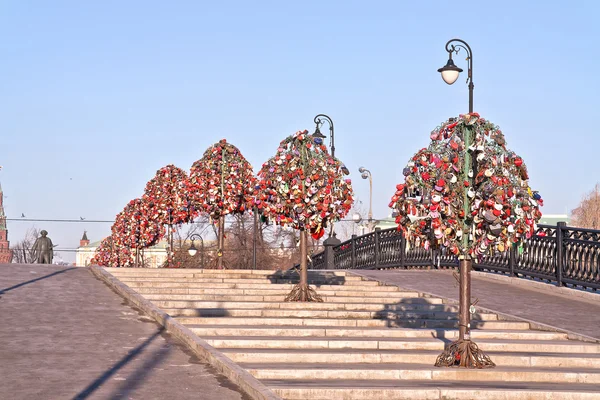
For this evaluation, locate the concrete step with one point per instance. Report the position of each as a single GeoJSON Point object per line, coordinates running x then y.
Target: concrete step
{"type": "Point", "coordinates": [278, 332]}
{"type": "Point", "coordinates": [272, 291]}
{"type": "Point", "coordinates": [425, 372]}
{"type": "Point", "coordinates": [429, 390]}
{"type": "Point", "coordinates": [355, 281]}
{"type": "Point", "coordinates": [503, 343]}
{"type": "Point", "coordinates": [416, 304]}
{"type": "Point", "coordinates": [348, 322]}
{"type": "Point", "coordinates": [299, 313]}
{"type": "Point", "coordinates": [185, 271]}
{"type": "Point", "coordinates": [264, 285]}
{"type": "Point", "coordinates": [341, 356]}
{"type": "Point", "coordinates": [330, 299]}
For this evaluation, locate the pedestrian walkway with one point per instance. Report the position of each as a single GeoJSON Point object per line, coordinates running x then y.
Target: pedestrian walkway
{"type": "Point", "coordinates": [544, 306]}
{"type": "Point", "coordinates": [65, 335]}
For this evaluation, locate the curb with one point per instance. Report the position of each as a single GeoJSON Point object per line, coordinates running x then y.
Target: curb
{"type": "Point", "coordinates": [501, 315]}
{"type": "Point", "coordinates": [248, 383]}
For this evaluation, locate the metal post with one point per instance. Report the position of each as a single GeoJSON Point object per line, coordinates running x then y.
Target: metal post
{"type": "Point", "coordinates": [221, 242]}
{"type": "Point", "coordinates": [465, 260]}
{"type": "Point", "coordinates": [202, 252]}
{"type": "Point", "coordinates": [303, 265]}
{"type": "Point", "coordinates": [465, 299]}
{"type": "Point", "coordinates": [329, 243]}
{"type": "Point", "coordinates": [559, 252]}
{"type": "Point", "coordinates": [513, 254]}
{"type": "Point", "coordinates": [353, 252]}
{"type": "Point", "coordinates": [254, 239]}
{"type": "Point", "coordinates": [377, 249]}
{"type": "Point", "coordinates": [402, 251]}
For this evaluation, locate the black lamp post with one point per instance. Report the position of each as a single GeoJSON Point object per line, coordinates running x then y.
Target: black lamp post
{"type": "Point", "coordinates": [319, 120]}
{"type": "Point", "coordinates": [366, 174]}
{"type": "Point", "coordinates": [450, 71]}
{"type": "Point", "coordinates": [192, 250]}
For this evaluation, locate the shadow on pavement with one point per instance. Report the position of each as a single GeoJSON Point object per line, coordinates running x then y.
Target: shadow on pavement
{"type": "Point", "coordinates": [136, 378]}
{"type": "Point", "coordinates": [427, 316]}
{"type": "Point", "coordinates": [2, 291]}
{"type": "Point", "coordinates": [314, 279]}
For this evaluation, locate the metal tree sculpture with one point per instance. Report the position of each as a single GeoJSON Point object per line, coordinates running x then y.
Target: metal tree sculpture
{"type": "Point", "coordinates": [105, 254]}
{"type": "Point", "coordinates": [468, 195]}
{"type": "Point", "coordinates": [137, 228]}
{"type": "Point", "coordinates": [303, 187]}
{"type": "Point", "coordinates": [222, 183]}
{"type": "Point", "coordinates": [168, 195]}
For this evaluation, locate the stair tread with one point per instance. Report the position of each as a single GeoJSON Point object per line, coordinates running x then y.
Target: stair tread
{"type": "Point", "coordinates": [420, 384]}
{"type": "Point", "coordinates": [394, 328]}
{"type": "Point", "coordinates": [408, 366]}
{"type": "Point", "coordinates": [401, 351]}
{"type": "Point", "coordinates": [407, 339]}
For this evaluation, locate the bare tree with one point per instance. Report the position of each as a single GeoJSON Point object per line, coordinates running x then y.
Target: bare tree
{"type": "Point", "coordinates": [587, 214]}
{"type": "Point", "coordinates": [23, 251]}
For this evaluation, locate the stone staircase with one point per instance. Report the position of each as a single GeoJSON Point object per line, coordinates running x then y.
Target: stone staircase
{"type": "Point", "coordinates": [365, 341]}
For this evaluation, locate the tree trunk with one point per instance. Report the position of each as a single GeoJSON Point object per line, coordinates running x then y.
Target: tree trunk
{"type": "Point", "coordinates": [221, 242]}
{"type": "Point", "coordinates": [303, 267]}
{"type": "Point", "coordinates": [464, 300]}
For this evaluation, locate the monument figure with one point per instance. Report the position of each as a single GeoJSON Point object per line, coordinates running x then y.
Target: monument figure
{"type": "Point", "coordinates": [43, 249]}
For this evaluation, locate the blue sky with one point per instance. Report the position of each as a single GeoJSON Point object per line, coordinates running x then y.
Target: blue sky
{"type": "Point", "coordinates": [96, 96]}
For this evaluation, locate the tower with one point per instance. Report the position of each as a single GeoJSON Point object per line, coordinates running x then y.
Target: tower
{"type": "Point", "coordinates": [5, 251]}
{"type": "Point", "coordinates": [84, 240]}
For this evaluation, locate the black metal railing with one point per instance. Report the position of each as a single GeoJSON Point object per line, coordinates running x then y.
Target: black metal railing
{"type": "Point", "coordinates": [564, 255]}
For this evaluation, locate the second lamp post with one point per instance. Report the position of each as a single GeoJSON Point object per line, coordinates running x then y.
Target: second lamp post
{"type": "Point", "coordinates": [192, 250]}
{"type": "Point", "coordinates": [450, 71]}
{"type": "Point", "coordinates": [319, 120]}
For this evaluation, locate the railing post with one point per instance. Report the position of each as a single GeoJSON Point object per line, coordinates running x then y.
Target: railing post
{"type": "Point", "coordinates": [559, 252]}
{"type": "Point", "coordinates": [353, 253]}
{"type": "Point", "coordinates": [377, 250]}
{"type": "Point", "coordinates": [329, 254]}
{"type": "Point", "coordinates": [512, 259]}
{"type": "Point", "coordinates": [402, 251]}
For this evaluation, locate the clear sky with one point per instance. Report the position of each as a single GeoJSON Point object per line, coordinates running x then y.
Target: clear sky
{"type": "Point", "coordinates": [96, 96]}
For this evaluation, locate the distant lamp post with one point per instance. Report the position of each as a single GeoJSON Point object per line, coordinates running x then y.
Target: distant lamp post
{"type": "Point", "coordinates": [366, 174]}
{"type": "Point", "coordinates": [192, 250]}
{"type": "Point", "coordinates": [319, 120]}
{"type": "Point", "coordinates": [450, 71]}
{"type": "Point", "coordinates": [357, 218]}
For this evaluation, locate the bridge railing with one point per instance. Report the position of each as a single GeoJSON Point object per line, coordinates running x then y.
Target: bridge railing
{"type": "Point", "coordinates": [564, 255]}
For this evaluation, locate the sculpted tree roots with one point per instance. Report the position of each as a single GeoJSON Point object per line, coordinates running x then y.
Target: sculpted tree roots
{"type": "Point", "coordinates": [303, 292]}
{"type": "Point", "coordinates": [464, 353]}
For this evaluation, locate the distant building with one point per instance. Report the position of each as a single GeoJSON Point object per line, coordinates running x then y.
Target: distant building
{"type": "Point", "coordinates": [153, 257]}
{"type": "Point", "coordinates": [6, 253]}
{"type": "Point", "coordinates": [553, 219]}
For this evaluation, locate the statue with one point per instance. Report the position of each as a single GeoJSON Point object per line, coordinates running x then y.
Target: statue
{"type": "Point", "coordinates": [43, 250]}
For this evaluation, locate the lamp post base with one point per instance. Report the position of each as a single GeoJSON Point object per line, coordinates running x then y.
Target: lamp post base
{"type": "Point", "coordinates": [303, 292]}
{"type": "Point", "coordinates": [464, 353]}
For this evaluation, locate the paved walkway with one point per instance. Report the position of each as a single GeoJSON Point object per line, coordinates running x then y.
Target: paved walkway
{"type": "Point", "coordinates": [574, 314]}
{"type": "Point", "coordinates": [66, 335]}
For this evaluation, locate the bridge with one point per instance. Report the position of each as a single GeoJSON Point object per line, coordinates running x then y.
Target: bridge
{"type": "Point", "coordinates": [565, 256]}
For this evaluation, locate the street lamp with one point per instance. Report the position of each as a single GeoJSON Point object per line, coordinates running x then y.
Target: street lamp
{"type": "Point", "coordinates": [366, 174]}
{"type": "Point", "coordinates": [192, 250]}
{"type": "Point", "coordinates": [357, 218]}
{"type": "Point", "coordinates": [450, 71]}
{"type": "Point", "coordinates": [319, 120]}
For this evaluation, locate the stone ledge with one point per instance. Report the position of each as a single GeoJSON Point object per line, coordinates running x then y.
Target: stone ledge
{"type": "Point", "coordinates": [249, 384]}
{"type": "Point", "coordinates": [501, 316]}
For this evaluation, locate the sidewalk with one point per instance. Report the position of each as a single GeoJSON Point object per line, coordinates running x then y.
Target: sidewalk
{"type": "Point", "coordinates": [66, 335]}
{"type": "Point", "coordinates": [573, 314]}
